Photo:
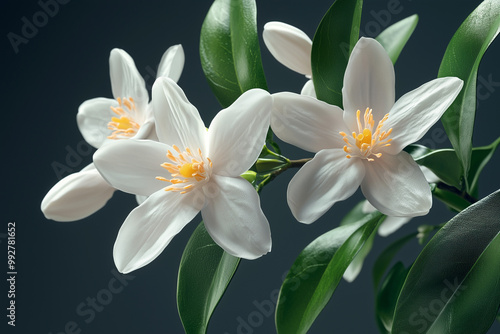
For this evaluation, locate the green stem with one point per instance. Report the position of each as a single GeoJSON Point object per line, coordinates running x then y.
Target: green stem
{"type": "Point", "coordinates": [270, 176]}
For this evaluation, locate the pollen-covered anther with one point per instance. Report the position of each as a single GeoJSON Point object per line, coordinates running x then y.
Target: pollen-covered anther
{"type": "Point", "coordinates": [186, 169]}
{"type": "Point", "coordinates": [124, 126]}
{"type": "Point", "coordinates": [366, 143]}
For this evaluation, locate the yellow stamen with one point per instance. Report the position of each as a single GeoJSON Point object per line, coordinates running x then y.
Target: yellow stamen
{"type": "Point", "coordinates": [123, 126]}
{"type": "Point", "coordinates": [367, 141]}
{"type": "Point", "coordinates": [186, 169]}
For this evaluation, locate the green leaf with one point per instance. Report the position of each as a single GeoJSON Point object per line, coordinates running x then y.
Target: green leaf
{"type": "Point", "coordinates": [385, 258]}
{"type": "Point", "coordinates": [387, 296]}
{"type": "Point", "coordinates": [444, 163]}
{"type": "Point", "coordinates": [461, 59]}
{"type": "Point", "coordinates": [480, 157]}
{"type": "Point", "coordinates": [336, 36]}
{"type": "Point", "coordinates": [316, 273]}
{"type": "Point", "coordinates": [204, 274]}
{"type": "Point", "coordinates": [454, 285]}
{"type": "Point", "coordinates": [229, 49]}
{"type": "Point", "coordinates": [353, 216]}
{"type": "Point", "coordinates": [394, 38]}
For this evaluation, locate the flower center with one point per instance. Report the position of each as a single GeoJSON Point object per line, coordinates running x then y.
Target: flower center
{"type": "Point", "coordinates": [367, 143]}
{"type": "Point", "coordinates": [186, 169]}
{"type": "Point", "coordinates": [123, 126]}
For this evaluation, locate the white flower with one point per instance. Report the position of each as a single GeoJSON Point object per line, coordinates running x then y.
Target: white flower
{"type": "Point", "coordinates": [100, 120]}
{"type": "Point", "coordinates": [291, 47]}
{"type": "Point", "coordinates": [190, 170]}
{"type": "Point", "coordinates": [362, 145]}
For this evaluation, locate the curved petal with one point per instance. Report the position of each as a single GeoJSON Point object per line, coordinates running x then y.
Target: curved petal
{"type": "Point", "coordinates": [391, 225]}
{"type": "Point", "coordinates": [308, 89]}
{"type": "Point", "coordinates": [289, 45]}
{"type": "Point", "coordinates": [126, 81]}
{"type": "Point", "coordinates": [417, 111]}
{"type": "Point", "coordinates": [368, 82]}
{"type": "Point", "coordinates": [238, 133]}
{"type": "Point", "coordinates": [328, 178]}
{"type": "Point", "coordinates": [133, 165]}
{"type": "Point", "coordinates": [234, 219]}
{"type": "Point", "coordinates": [77, 196]}
{"type": "Point", "coordinates": [93, 118]}
{"type": "Point", "coordinates": [395, 186]}
{"type": "Point", "coordinates": [149, 228]}
{"type": "Point", "coordinates": [306, 122]}
{"type": "Point", "coordinates": [172, 63]}
{"type": "Point", "coordinates": [178, 122]}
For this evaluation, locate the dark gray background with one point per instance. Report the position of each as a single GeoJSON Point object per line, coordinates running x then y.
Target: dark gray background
{"type": "Point", "coordinates": [60, 265]}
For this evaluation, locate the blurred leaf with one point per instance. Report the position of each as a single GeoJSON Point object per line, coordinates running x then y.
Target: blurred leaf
{"type": "Point", "coordinates": [461, 59]}
{"type": "Point", "coordinates": [453, 201]}
{"type": "Point", "coordinates": [229, 49]}
{"type": "Point", "coordinates": [394, 38]}
{"type": "Point", "coordinates": [385, 258]}
{"type": "Point", "coordinates": [336, 36]}
{"type": "Point", "coordinates": [456, 278]}
{"type": "Point", "coordinates": [316, 273]}
{"type": "Point", "coordinates": [204, 274]}
{"type": "Point", "coordinates": [387, 296]}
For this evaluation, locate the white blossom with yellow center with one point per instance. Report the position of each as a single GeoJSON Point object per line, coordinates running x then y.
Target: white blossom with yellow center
{"type": "Point", "coordinates": [101, 120]}
{"type": "Point", "coordinates": [190, 170]}
{"type": "Point", "coordinates": [362, 145]}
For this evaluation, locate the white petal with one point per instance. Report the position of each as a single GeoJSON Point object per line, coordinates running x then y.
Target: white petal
{"type": "Point", "coordinates": [328, 178]}
{"type": "Point", "coordinates": [126, 80]}
{"type": "Point", "coordinates": [234, 219]}
{"type": "Point", "coordinates": [368, 82]}
{"type": "Point", "coordinates": [367, 207]}
{"type": "Point", "coordinates": [417, 111]}
{"type": "Point", "coordinates": [133, 165]}
{"type": "Point", "coordinates": [149, 228]}
{"type": "Point", "coordinates": [289, 45]}
{"type": "Point", "coordinates": [178, 122]}
{"type": "Point", "coordinates": [172, 63]}
{"type": "Point", "coordinates": [238, 133]}
{"type": "Point", "coordinates": [140, 199]}
{"type": "Point", "coordinates": [396, 186]}
{"type": "Point", "coordinates": [77, 196]}
{"type": "Point", "coordinates": [93, 118]}
{"type": "Point", "coordinates": [306, 122]}
{"type": "Point", "coordinates": [308, 89]}
{"type": "Point", "coordinates": [391, 225]}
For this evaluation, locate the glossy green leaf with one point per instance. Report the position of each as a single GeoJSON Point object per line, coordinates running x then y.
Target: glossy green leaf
{"type": "Point", "coordinates": [336, 36]}
{"type": "Point", "coordinates": [454, 285]}
{"type": "Point", "coordinates": [353, 216]}
{"type": "Point", "coordinates": [316, 273]}
{"type": "Point", "coordinates": [384, 259]}
{"type": "Point", "coordinates": [394, 38]}
{"type": "Point", "coordinates": [387, 296]}
{"type": "Point", "coordinates": [204, 274]}
{"type": "Point", "coordinates": [480, 157]}
{"type": "Point", "coordinates": [461, 59]}
{"type": "Point", "coordinates": [444, 163]}
{"type": "Point", "coordinates": [229, 49]}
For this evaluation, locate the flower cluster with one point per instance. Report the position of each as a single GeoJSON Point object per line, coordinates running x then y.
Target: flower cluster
{"type": "Point", "coordinates": [179, 168]}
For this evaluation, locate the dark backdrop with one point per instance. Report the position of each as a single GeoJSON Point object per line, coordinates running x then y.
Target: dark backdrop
{"type": "Point", "coordinates": [62, 265]}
